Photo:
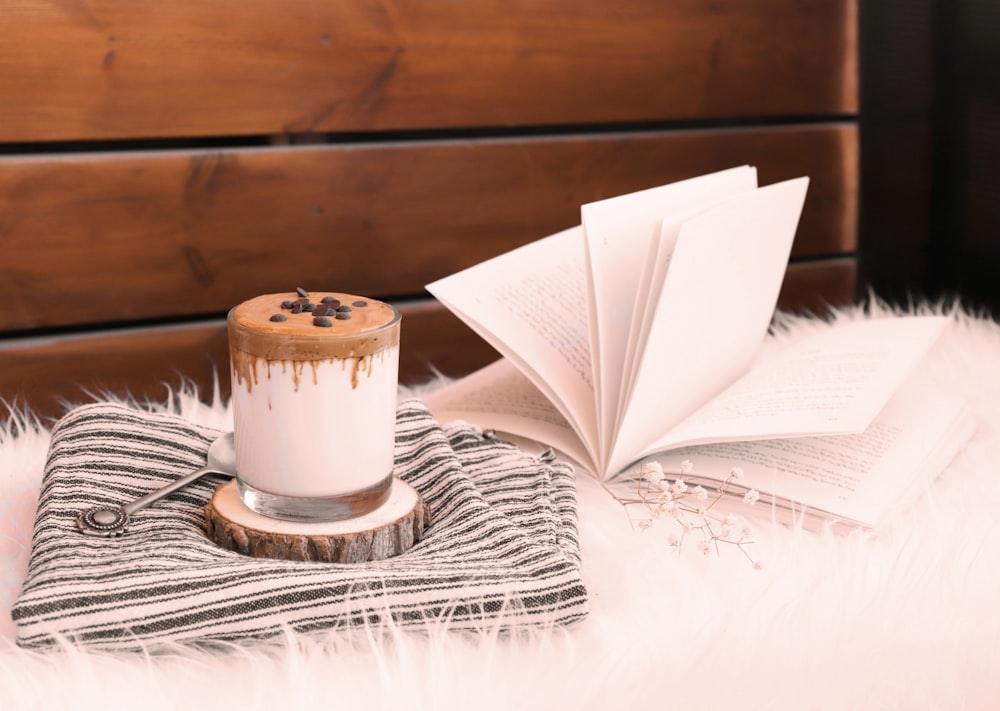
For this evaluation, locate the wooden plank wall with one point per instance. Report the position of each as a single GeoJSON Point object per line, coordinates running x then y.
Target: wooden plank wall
{"type": "Point", "coordinates": [161, 162]}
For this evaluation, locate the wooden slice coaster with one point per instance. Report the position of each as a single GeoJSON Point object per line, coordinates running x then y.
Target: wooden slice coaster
{"type": "Point", "coordinates": [389, 530]}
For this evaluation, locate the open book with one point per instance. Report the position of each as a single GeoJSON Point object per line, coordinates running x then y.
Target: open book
{"type": "Point", "coordinates": [641, 331]}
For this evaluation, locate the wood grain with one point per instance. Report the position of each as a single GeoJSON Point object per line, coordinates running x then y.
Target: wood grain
{"type": "Point", "coordinates": [113, 69]}
{"type": "Point", "coordinates": [389, 530]}
{"type": "Point", "coordinates": [146, 363]}
{"type": "Point", "coordinates": [813, 287]}
{"type": "Point", "coordinates": [124, 237]}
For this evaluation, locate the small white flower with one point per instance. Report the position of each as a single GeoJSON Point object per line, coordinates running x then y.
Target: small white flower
{"type": "Point", "coordinates": [652, 472]}
{"type": "Point", "coordinates": [705, 547]}
{"type": "Point", "coordinates": [644, 523]}
{"type": "Point", "coordinates": [751, 497]}
{"type": "Point", "coordinates": [700, 493]}
{"type": "Point", "coordinates": [736, 472]}
{"type": "Point", "coordinates": [687, 466]}
{"type": "Point", "coordinates": [678, 487]}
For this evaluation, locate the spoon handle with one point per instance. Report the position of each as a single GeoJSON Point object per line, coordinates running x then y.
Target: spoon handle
{"type": "Point", "coordinates": [173, 486]}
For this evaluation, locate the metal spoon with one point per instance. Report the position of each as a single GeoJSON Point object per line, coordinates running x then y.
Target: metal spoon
{"type": "Point", "coordinates": [113, 520]}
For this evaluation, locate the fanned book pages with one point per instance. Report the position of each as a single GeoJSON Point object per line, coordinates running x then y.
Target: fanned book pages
{"type": "Point", "coordinates": [640, 332]}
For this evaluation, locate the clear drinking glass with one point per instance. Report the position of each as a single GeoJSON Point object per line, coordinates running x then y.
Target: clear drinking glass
{"type": "Point", "coordinates": [314, 403]}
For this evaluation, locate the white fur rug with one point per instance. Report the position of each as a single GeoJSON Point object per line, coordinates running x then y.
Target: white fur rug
{"type": "Point", "coordinates": [905, 620]}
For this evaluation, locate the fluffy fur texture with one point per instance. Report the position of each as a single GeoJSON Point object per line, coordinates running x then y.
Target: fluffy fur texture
{"type": "Point", "coordinates": [904, 620]}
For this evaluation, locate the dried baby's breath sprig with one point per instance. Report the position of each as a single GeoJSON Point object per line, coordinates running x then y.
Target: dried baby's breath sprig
{"type": "Point", "coordinates": [690, 508]}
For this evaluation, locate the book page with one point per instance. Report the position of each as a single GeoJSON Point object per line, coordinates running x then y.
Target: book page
{"type": "Point", "coordinates": [855, 478]}
{"type": "Point", "coordinates": [500, 397]}
{"type": "Point", "coordinates": [619, 233]}
{"type": "Point", "coordinates": [713, 312]}
{"type": "Point", "coordinates": [661, 254]}
{"type": "Point", "coordinates": [833, 382]}
{"type": "Point", "coordinates": [528, 304]}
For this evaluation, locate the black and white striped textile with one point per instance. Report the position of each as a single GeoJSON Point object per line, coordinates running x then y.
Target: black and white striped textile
{"type": "Point", "coordinates": [502, 550]}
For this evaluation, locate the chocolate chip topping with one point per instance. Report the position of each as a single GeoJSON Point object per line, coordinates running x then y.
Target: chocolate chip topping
{"type": "Point", "coordinates": [323, 333]}
{"type": "Point", "coordinates": [322, 314]}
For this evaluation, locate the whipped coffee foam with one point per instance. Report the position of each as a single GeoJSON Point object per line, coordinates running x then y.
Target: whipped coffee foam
{"type": "Point", "coordinates": [314, 396]}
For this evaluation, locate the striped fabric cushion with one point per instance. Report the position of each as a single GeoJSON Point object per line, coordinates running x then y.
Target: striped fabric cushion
{"type": "Point", "coordinates": [502, 549]}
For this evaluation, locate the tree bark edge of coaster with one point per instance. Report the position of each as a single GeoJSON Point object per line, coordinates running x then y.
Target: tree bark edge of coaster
{"type": "Point", "coordinates": [391, 529]}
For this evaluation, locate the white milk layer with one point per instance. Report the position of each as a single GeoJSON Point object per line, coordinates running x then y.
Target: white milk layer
{"type": "Point", "coordinates": [317, 428]}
